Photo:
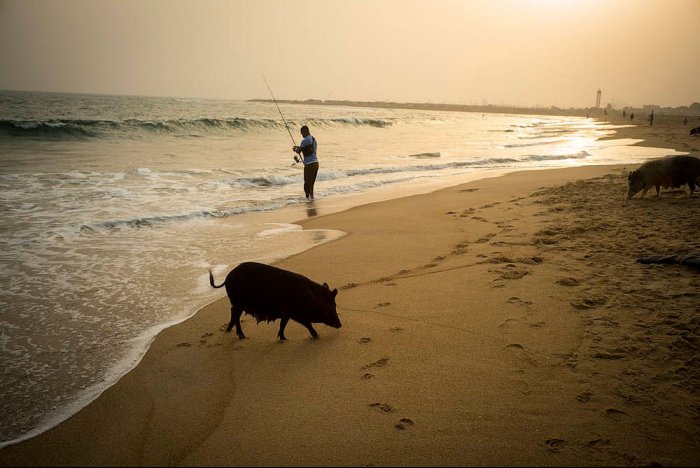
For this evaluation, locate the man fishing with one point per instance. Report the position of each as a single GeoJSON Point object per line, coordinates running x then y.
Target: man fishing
{"type": "Point", "coordinates": [307, 147]}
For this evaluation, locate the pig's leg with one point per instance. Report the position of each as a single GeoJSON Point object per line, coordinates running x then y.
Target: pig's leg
{"type": "Point", "coordinates": [283, 324]}
{"type": "Point", "coordinates": [691, 186]}
{"type": "Point", "coordinates": [311, 329]}
{"type": "Point", "coordinates": [658, 190]}
{"type": "Point", "coordinates": [236, 321]}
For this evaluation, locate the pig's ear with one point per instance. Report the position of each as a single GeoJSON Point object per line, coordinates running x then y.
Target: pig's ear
{"type": "Point", "coordinates": [334, 293]}
{"type": "Point", "coordinates": [325, 285]}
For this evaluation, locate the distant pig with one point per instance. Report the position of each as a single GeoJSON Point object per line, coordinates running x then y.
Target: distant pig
{"type": "Point", "coordinates": [671, 171]}
{"type": "Point", "coordinates": [269, 293]}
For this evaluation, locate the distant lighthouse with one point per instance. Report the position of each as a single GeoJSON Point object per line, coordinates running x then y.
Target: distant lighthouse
{"type": "Point", "coordinates": [597, 98]}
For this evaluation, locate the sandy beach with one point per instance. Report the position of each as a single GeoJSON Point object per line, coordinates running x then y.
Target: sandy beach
{"type": "Point", "coordinates": [503, 322]}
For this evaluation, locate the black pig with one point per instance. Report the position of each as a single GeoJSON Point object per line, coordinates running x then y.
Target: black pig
{"type": "Point", "coordinates": [269, 293]}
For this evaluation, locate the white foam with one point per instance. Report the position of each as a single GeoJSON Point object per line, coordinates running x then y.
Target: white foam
{"type": "Point", "coordinates": [283, 228]}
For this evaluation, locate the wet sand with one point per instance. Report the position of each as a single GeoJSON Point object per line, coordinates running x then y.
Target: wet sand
{"type": "Point", "coordinates": [504, 322]}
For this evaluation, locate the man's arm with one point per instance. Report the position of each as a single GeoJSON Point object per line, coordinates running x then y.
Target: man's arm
{"type": "Point", "coordinates": [306, 146]}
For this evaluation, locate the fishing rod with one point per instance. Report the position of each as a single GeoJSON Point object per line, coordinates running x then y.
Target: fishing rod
{"type": "Point", "coordinates": [296, 158]}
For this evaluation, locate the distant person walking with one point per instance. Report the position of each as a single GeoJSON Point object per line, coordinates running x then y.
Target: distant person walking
{"type": "Point", "coordinates": [307, 147]}
{"type": "Point", "coordinates": [632, 116]}
{"type": "Point", "coordinates": [651, 118]}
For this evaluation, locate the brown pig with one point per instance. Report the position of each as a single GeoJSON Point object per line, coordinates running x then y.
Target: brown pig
{"type": "Point", "coordinates": [270, 293]}
{"type": "Point", "coordinates": [671, 171]}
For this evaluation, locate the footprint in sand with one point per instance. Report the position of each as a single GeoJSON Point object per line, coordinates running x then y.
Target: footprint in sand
{"type": "Point", "coordinates": [513, 274]}
{"type": "Point", "coordinates": [516, 299]}
{"type": "Point", "coordinates": [597, 443]}
{"type": "Point", "coordinates": [378, 363]}
{"type": "Point", "coordinates": [501, 259]}
{"type": "Point", "coordinates": [485, 238]}
{"type": "Point", "coordinates": [382, 304]}
{"type": "Point", "coordinates": [396, 329]}
{"type": "Point", "coordinates": [615, 412]}
{"type": "Point", "coordinates": [567, 282]}
{"type": "Point", "coordinates": [588, 303]}
{"type": "Point", "coordinates": [506, 324]}
{"type": "Point", "coordinates": [385, 279]}
{"type": "Point", "coordinates": [505, 227]}
{"type": "Point", "coordinates": [203, 340]}
{"type": "Point", "coordinates": [515, 346]}
{"type": "Point", "coordinates": [460, 248]}
{"type": "Point", "coordinates": [569, 360]}
{"type": "Point", "coordinates": [404, 423]}
{"type": "Point", "coordinates": [367, 376]}
{"type": "Point", "coordinates": [364, 340]}
{"type": "Point", "coordinates": [183, 345]}
{"type": "Point", "coordinates": [608, 355]}
{"type": "Point", "coordinates": [384, 407]}
{"type": "Point", "coordinates": [555, 445]}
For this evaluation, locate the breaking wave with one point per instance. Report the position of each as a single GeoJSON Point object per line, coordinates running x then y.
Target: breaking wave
{"type": "Point", "coordinates": [88, 128]}
{"type": "Point", "coordinates": [276, 180]}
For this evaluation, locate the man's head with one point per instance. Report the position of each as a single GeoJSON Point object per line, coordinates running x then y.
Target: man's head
{"type": "Point", "coordinates": [304, 131]}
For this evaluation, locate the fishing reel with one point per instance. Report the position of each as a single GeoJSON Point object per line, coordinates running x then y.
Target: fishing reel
{"type": "Point", "coordinates": [297, 159]}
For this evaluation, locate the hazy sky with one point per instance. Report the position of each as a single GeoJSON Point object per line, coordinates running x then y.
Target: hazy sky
{"type": "Point", "coordinates": [517, 52]}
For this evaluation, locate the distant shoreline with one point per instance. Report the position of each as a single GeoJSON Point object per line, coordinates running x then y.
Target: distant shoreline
{"type": "Point", "coordinates": [592, 112]}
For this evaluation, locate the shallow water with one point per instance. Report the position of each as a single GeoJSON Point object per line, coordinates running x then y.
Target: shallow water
{"type": "Point", "coordinates": [114, 208]}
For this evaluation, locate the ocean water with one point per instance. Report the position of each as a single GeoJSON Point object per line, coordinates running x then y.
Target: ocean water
{"type": "Point", "coordinates": [114, 207]}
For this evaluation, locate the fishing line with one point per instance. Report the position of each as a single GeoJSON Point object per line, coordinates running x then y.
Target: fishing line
{"type": "Point", "coordinates": [296, 159]}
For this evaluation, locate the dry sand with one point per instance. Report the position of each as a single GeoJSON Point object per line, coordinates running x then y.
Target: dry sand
{"type": "Point", "coordinates": [503, 322]}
